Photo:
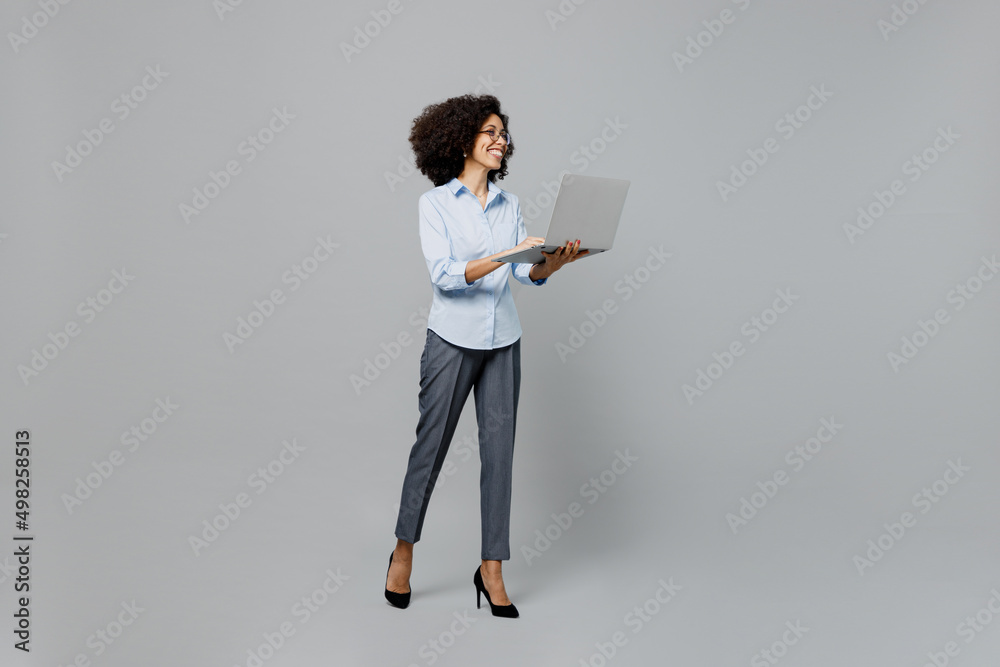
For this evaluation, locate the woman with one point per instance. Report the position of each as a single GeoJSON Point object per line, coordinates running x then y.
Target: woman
{"type": "Point", "coordinates": [473, 332]}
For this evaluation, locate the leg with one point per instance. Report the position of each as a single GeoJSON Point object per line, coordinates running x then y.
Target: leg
{"type": "Point", "coordinates": [496, 394]}
{"type": "Point", "coordinates": [446, 376]}
{"type": "Point", "coordinates": [447, 373]}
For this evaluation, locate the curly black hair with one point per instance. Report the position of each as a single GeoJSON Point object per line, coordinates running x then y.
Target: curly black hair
{"type": "Point", "coordinates": [444, 131]}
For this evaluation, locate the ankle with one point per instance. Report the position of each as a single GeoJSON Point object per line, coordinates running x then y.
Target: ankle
{"type": "Point", "coordinates": [403, 552]}
{"type": "Point", "coordinates": [491, 568]}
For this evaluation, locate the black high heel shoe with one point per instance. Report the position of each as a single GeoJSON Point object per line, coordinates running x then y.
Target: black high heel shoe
{"type": "Point", "coordinates": [505, 610]}
{"type": "Point", "coordinates": [401, 600]}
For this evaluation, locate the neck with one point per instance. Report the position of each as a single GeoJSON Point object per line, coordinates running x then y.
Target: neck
{"type": "Point", "coordinates": [473, 176]}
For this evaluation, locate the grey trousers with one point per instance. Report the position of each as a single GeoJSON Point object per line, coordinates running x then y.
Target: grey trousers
{"type": "Point", "coordinates": [447, 374]}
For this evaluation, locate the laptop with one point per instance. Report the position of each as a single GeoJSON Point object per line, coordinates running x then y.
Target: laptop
{"type": "Point", "coordinates": [587, 208]}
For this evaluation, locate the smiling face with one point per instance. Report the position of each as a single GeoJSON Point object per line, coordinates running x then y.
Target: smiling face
{"type": "Point", "coordinates": [487, 152]}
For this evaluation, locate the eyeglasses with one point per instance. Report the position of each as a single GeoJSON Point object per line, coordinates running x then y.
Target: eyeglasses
{"type": "Point", "coordinates": [493, 135]}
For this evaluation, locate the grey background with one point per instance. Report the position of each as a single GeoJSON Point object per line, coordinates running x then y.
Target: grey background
{"type": "Point", "coordinates": [324, 175]}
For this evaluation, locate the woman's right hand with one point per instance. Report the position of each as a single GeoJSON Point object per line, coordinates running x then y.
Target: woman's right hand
{"type": "Point", "coordinates": [529, 242]}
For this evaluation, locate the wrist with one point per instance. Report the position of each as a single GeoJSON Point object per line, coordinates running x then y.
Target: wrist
{"type": "Point", "coordinates": [538, 272]}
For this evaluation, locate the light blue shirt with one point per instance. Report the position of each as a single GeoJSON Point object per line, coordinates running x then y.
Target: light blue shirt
{"type": "Point", "coordinates": [455, 229]}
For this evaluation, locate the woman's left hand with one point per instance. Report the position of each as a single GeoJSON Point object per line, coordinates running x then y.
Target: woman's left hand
{"type": "Point", "coordinates": [563, 255]}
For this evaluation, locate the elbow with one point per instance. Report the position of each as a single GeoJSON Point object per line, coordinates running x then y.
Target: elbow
{"type": "Point", "coordinates": [452, 285]}
{"type": "Point", "coordinates": [450, 278]}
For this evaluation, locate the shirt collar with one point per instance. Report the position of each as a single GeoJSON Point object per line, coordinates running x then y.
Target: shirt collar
{"type": "Point", "coordinates": [456, 185]}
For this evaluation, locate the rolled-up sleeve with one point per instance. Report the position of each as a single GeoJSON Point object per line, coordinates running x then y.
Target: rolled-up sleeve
{"type": "Point", "coordinates": [522, 271]}
{"type": "Point", "coordinates": [447, 273]}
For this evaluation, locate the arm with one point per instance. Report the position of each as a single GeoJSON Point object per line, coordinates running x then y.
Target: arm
{"type": "Point", "coordinates": [446, 273]}
{"type": "Point", "coordinates": [477, 268]}
{"type": "Point", "coordinates": [529, 274]}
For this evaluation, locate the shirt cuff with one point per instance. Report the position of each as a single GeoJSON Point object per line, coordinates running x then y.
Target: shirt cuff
{"type": "Point", "coordinates": [450, 275]}
{"type": "Point", "coordinates": [527, 274]}
{"type": "Point", "coordinates": [522, 271]}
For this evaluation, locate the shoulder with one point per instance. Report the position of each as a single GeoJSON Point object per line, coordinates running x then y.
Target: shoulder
{"type": "Point", "coordinates": [508, 196]}
{"type": "Point", "coordinates": [435, 194]}
{"type": "Point", "coordinates": [436, 199]}
{"type": "Point", "coordinates": [443, 194]}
